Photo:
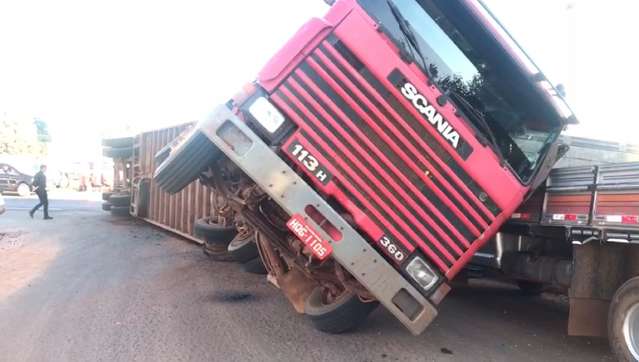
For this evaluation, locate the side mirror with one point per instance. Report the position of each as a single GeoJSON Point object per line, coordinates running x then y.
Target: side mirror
{"type": "Point", "coordinates": [562, 149]}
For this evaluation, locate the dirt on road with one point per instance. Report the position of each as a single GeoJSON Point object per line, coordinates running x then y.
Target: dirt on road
{"type": "Point", "coordinates": [22, 260]}
{"type": "Point", "coordinates": [86, 286]}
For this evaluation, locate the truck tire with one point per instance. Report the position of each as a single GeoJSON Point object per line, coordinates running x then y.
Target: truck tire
{"type": "Point", "coordinates": [106, 195]}
{"type": "Point", "coordinates": [120, 211]}
{"type": "Point", "coordinates": [343, 314]}
{"type": "Point", "coordinates": [255, 266]}
{"type": "Point", "coordinates": [623, 321]}
{"type": "Point", "coordinates": [185, 161]}
{"type": "Point", "coordinates": [24, 189]}
{"type": "Point", "coordinates": [217, 252]}
{"type": "Point", "coordinates": [118, 142]}
{"type": "Point", "coordinates": [123, 200]}
{"type": "Point", "coordinates": [212, 233]}
{"type": "Point", "coordinates": [106, 206]}
{"type": "Point", "coordinates": [118, 152]}
{"type": "Point", "coordinates": [243, 247]}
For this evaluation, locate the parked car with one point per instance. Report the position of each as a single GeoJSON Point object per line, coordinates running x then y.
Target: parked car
{"type": "Point", "coordinates": [2, 207]}
{"type": "Point", "coordinates": [12, 180]}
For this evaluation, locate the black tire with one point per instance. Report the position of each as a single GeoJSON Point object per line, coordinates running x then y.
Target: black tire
{"type": "Point", "coordinates": [185, 162]}
{"type": "Point", "coordinates": [530, 288]}
{"type": "Point", "coordinates": [217, 252]}
{"type": "Point", "coordinates": [118, 142]}
{"type": "Point", "coordinates": [106, 195]}
{"type": "Point", "coordinates": [120, 200]}
{"type": "Point", "coordinates": [119, 152]}
{"type": "Point", "coordinates": [120, 211]}
{"type": "Point", "coordinates": [346, 313]}
{"type": "Point", "coordinates": [625, 304]}
{"type": "Point", "coordinates": [255, 266]}
{"type": "Point", "coordinates": [212, 233]}
{"type": "Point", "coordinates": [106, 206]}
{"type": "Point", "coordinates": [243, 248]}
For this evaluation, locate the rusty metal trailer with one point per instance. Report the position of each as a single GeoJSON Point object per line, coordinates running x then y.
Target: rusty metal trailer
{"type": "Point", "coordinates": [174, 212]}
{"type": "Point", "coordinates": [134, 176]}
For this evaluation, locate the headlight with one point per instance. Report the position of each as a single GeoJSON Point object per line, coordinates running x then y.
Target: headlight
{"type": "Point", "coordinates": [266, 114]}
{"type": "Point", "coordinates": [422, 273]}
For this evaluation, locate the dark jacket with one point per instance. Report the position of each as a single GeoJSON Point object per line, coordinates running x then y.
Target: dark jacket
{"type": "Point", "coordinates": [40, 181]}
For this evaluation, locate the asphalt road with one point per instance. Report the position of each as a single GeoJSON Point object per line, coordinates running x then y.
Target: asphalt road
{"type": "Point", "coordinates": [89, 287]}
{"type": "Point", "coordinates": [59, 201]}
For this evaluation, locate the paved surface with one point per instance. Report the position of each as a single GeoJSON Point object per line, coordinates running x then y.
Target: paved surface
{"type": "Point", "coordinates": [60, 200]}
{"type": "Point", "coordinates": [89, 287]}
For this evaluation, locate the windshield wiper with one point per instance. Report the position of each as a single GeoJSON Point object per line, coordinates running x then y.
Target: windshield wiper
{"type": "Point", "coordinates": [409, 34]}
{"type": "Point", "coordinates": [478, 120]}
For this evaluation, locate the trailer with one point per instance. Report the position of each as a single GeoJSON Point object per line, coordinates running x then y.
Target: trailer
{"type": "Point", "coordinates": [134, 188]}
{"type": "Point", "coordinates": [579, 233]}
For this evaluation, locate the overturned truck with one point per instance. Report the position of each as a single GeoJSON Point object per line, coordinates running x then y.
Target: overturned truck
{"type": "Point", "coordinates": [375, 153]}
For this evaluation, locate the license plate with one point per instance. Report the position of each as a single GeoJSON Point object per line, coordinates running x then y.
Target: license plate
{"type": "Point", "coordinates": [320, 248]}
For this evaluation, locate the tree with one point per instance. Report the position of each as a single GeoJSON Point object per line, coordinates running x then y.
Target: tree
{"type": "Point", "coordinates": [21, 137]}
{"type": "Point", "coordinates": [42, 130]}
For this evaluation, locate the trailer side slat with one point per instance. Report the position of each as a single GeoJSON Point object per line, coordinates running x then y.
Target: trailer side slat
{"type": "Point", "coordinates": [178, 212]}
{"type": "Point", "coordinates": [600, 201]}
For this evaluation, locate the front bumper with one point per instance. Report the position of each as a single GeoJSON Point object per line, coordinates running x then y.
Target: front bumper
{"type": "Point", "coordinates": [242, 146]}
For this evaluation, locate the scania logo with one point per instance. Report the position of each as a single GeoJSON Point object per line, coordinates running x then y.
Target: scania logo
{"type": "Point", "coordinates": [421, 104]}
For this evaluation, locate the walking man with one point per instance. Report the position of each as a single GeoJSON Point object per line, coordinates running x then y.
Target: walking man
{"type": "Point", "coordinates": [40, 185]}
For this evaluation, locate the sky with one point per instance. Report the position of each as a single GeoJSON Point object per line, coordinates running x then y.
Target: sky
{"type": "Point", "coordinates": [94, 68]}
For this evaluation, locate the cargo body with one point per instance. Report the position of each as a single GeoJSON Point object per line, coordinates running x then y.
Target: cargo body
{"type": "Point", "coordinates": [135, 159]}
{"type": "Point", "coordinates": [375, 153]}
{"type": "Point", "coordinates": [175, 212]}
{"type": "Point", "coordinates": [579, 233]}
{"type": "Point", "coordinates": [600, 197]}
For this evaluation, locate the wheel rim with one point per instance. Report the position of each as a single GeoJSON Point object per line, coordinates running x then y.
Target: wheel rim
{"type": "Point", "coordinates": [330, 295]}
{"type": "Point", "coordinates": [631, 330]}
{"type": "Point", "coordinates": [241, 239]}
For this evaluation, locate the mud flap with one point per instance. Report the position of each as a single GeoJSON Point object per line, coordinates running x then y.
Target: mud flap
{"type": "Point", "coordinates": [588, 317]}
{"type": "Point", "coordinates": [183, 162]}
{"type": "Point", "coordinates": [599, 270]}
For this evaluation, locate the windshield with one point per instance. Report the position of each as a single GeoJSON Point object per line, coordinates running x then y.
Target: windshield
{"type": "Point", "coordinates": [484, 82]}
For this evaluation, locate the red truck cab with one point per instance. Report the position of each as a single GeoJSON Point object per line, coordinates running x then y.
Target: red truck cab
{"type": "Point", "coordinates": [393, 127]}
{"type": "Point", "coordinates": [409, 125]}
